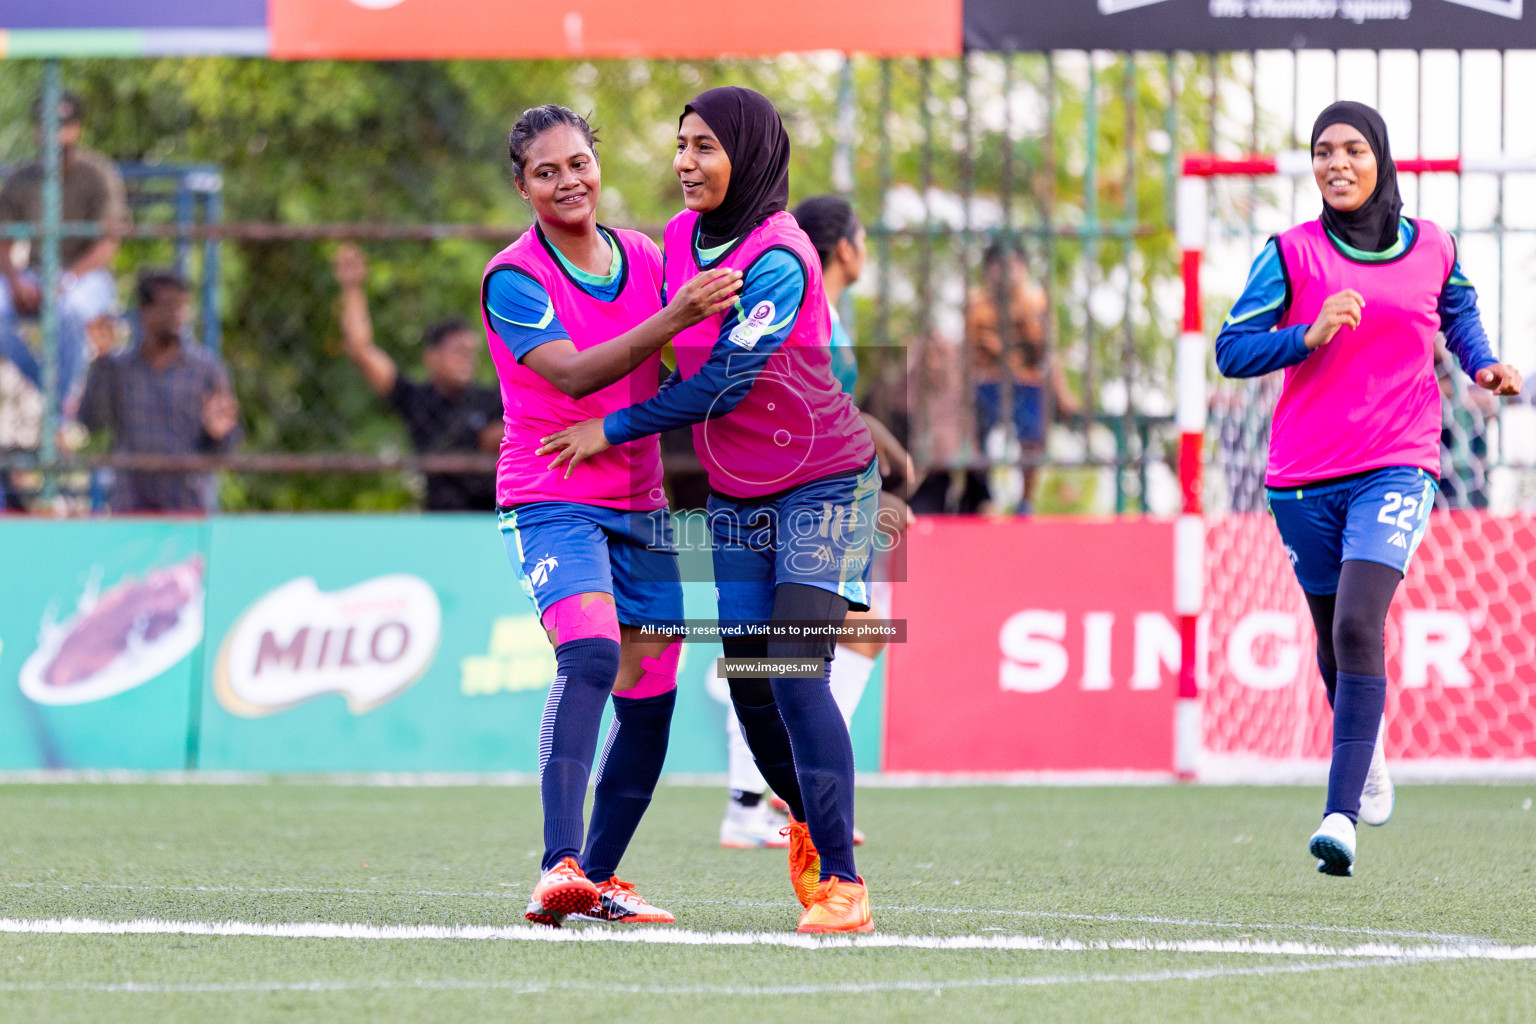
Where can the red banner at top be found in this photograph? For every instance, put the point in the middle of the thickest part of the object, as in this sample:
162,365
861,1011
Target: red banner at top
505,29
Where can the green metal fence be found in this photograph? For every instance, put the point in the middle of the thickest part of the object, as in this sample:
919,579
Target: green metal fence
1070,156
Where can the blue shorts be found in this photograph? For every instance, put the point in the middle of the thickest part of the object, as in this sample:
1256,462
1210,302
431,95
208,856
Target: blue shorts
561,548
1378,516
819,534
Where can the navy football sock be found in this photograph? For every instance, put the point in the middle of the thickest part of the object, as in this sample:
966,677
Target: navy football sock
573,714
626,778
764,731
823,757
1357,707
1330,677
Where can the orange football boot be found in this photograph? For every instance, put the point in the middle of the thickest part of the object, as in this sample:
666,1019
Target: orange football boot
804,861
838,906
562,890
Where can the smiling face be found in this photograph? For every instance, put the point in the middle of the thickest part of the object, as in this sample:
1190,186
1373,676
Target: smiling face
561,178
701,165
1344,166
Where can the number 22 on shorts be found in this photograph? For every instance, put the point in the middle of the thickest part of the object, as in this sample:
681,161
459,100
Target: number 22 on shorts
1408,504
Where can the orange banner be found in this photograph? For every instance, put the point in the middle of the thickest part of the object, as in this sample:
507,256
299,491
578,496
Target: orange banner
510,29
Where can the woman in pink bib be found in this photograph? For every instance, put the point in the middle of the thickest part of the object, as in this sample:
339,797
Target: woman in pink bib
794,487
1349,306
574,320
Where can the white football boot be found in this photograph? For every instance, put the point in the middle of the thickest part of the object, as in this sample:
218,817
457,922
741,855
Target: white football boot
1377,799
752,828
620,903
1333,844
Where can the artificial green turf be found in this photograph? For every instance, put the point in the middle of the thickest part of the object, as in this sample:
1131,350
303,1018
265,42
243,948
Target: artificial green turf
1075,863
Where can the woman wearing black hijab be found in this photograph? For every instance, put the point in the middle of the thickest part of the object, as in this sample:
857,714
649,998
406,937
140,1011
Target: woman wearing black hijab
1349,305
794,485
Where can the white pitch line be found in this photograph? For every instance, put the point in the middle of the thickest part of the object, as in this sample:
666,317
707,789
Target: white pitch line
619,988
518,892
684,937
511,892
1185,922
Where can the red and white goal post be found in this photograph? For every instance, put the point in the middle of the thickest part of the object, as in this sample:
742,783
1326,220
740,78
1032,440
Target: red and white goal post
1461,638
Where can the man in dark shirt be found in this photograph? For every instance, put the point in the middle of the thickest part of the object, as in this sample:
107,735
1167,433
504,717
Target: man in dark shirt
91,190
448,414
167,396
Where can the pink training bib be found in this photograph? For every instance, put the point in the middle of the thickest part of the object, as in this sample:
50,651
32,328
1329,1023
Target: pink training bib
626,476
795,424
1367,399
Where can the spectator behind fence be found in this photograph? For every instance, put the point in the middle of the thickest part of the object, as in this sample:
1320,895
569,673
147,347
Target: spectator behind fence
448,414
166,396
1006,280
93,192
938,427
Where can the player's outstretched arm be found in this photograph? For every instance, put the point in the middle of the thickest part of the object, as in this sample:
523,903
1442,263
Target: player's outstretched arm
581,373
1466,339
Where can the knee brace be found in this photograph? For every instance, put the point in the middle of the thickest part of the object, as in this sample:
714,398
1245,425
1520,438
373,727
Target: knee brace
569,620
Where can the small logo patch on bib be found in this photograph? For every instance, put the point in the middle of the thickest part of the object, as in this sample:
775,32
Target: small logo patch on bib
748,331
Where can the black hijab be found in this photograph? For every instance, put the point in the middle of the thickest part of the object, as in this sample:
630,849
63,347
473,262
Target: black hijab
1373,226
753,137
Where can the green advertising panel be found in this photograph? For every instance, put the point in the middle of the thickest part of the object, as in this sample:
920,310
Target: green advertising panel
100,628
291,644
391,643
369,643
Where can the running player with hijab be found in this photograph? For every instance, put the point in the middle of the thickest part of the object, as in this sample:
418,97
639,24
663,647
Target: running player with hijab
794,484
1349,306
833,227
574,319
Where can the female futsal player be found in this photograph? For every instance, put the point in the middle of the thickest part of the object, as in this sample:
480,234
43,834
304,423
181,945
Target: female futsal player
574,321
792,473
832,226
1349,306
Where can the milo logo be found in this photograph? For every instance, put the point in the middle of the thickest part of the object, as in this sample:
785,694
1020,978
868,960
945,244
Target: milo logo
367,643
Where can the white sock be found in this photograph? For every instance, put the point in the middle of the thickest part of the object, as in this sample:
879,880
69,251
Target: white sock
850,674
741,771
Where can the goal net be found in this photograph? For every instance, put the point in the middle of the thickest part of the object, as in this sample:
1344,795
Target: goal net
1461,636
